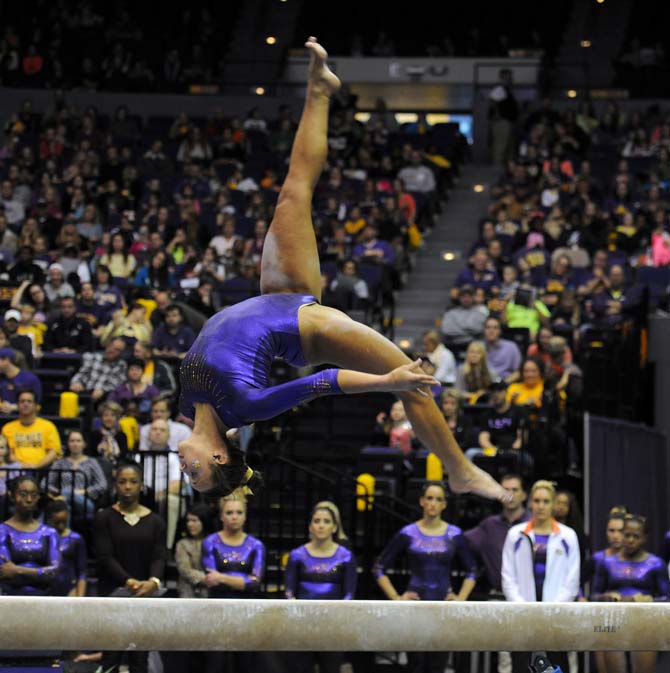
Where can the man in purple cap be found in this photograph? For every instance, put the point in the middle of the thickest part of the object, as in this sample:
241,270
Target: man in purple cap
13,380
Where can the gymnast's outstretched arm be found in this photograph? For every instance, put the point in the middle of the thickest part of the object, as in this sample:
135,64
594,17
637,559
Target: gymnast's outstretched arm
258,404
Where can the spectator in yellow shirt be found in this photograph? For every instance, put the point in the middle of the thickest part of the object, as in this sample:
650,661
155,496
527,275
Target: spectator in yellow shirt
529,390
33,442
33,329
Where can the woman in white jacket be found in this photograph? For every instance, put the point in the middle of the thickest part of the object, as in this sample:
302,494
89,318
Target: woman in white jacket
540,562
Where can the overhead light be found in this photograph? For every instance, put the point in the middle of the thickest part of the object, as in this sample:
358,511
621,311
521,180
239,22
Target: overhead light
600,2
585,44
448,257
571,93
478,188
405,344
270,39
259,91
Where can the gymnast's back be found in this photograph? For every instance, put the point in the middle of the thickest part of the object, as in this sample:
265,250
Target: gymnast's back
235,350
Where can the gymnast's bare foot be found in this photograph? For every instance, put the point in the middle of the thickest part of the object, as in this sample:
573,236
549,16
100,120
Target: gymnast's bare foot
321,78
472,479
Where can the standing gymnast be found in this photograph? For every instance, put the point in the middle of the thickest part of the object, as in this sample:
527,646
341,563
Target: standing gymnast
225,375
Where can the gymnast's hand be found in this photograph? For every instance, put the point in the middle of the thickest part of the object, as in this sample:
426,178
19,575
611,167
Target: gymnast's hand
411,377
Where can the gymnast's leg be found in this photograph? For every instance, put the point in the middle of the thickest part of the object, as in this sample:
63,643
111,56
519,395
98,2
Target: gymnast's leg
290,261
329,336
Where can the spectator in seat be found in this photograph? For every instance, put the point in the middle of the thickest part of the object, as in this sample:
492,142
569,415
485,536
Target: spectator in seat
101,372
373,249
465,322
441,357
397,427
562,375
68,332
540,349
173,338
32,328
56,286
106,294
479,275
529,390
525,310
24,268
348,291
134,388
502,427
19,342
616,303
81,480
474,376
109,443
33,441
155,371
160,409
459,424
162,474
88,307
130,328
13,380
503,355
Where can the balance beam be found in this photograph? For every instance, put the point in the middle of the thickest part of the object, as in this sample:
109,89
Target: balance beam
32,623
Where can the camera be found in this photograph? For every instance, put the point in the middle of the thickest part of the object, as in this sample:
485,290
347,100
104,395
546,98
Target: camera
525,296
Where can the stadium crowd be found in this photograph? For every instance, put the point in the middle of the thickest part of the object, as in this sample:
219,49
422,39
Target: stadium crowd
119,238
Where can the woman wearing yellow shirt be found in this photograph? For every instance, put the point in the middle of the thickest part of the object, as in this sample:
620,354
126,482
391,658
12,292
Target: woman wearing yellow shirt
529,390
131,328
119,261
355,222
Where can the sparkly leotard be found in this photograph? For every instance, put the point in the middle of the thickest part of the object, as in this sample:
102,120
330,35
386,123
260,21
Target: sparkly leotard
31,549
648,577
315,577
430,559
246,560
229,364
72,565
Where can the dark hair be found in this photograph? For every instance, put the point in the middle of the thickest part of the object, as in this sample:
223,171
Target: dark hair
23,391
513,475
175,307
428,484
14,484
574,518
232,474
202,512
105,268
55,506
636,518
129,466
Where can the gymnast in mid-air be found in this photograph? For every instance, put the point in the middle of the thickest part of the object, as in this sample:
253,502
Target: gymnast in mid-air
225,375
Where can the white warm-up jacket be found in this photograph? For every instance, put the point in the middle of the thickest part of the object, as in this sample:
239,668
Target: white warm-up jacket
561,581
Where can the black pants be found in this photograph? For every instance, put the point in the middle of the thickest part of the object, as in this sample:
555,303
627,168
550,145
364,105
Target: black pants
426,662
303,662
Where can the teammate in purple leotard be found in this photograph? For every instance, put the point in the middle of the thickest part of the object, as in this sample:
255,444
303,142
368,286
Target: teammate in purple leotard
225,375
632,575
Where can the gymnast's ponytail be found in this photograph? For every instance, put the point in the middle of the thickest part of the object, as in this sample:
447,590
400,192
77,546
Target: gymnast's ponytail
234,474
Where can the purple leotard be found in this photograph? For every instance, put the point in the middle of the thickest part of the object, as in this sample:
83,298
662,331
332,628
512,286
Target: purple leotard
246,560
72,566
430,559
34,549
648,577
228,366
316,578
